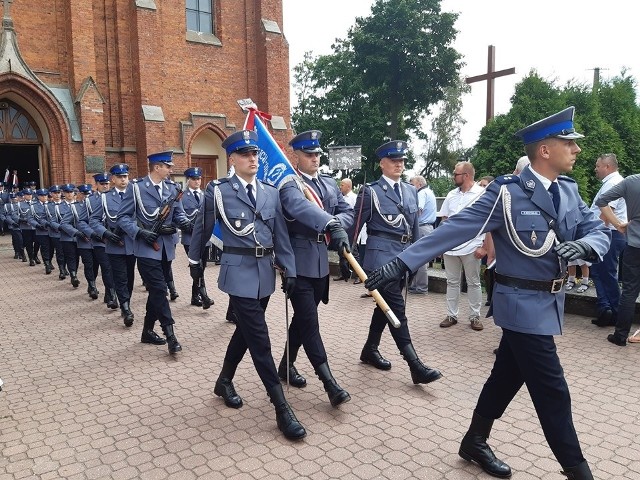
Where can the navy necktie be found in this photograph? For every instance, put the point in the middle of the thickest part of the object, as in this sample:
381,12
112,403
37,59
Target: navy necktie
252,199
555,195
396,188
121,195
197,195
316,182
158,190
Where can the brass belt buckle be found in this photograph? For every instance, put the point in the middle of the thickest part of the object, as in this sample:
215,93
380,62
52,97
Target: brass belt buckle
259,252
556,285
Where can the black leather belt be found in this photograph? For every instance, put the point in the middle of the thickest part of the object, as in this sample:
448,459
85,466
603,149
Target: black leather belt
257,252
552,286
389,236
320,238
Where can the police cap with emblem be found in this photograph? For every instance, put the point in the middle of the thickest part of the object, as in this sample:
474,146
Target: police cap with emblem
13,195
42,191
68,187
308,142
85,188
558,125
193,172
101,177
55,188
162,157
20,193
242,141
395,150
119,169
27,191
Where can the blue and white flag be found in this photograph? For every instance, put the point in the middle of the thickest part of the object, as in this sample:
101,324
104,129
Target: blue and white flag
273,166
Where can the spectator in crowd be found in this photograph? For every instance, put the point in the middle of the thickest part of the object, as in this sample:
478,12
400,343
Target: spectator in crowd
426,219
486,180
467,255
605,273
346,188
571,280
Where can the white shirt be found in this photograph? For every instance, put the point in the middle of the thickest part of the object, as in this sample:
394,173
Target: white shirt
350,198
455,201
618,206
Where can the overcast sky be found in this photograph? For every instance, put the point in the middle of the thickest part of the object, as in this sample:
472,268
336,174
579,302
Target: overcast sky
560,40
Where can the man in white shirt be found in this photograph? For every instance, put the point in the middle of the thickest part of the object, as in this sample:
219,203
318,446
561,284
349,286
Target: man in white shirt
346,187
468,255
605,273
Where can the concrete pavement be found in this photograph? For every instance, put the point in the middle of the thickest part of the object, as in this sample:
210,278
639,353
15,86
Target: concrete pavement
84,399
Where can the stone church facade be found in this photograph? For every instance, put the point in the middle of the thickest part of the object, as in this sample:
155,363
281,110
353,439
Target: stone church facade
85,84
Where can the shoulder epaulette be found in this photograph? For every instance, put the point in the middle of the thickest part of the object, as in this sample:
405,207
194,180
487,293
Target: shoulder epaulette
371,184
135,180
220,180
169,181
566,179
505,179
267,184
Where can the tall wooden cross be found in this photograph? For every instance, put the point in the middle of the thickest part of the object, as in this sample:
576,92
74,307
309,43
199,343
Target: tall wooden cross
490,77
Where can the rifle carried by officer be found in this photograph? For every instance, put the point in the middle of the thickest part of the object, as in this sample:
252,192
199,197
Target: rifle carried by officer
163,214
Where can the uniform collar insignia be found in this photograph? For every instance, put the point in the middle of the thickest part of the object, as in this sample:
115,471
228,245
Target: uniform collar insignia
235,186
384,187
530,184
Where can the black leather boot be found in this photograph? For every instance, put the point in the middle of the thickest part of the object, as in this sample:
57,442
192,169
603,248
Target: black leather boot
23,255
295,379
128,317
579,472
420,373
172,341
204,296
336,394
474,448
36,259
74,279
230,316
195,296
48,268
285,418
148,335
112,301
224,386
371,355
173,294
93,290
16,255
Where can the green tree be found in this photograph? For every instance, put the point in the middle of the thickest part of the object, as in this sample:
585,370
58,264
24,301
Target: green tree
403,51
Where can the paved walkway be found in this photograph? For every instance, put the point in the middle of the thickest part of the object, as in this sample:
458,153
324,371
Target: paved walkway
83,399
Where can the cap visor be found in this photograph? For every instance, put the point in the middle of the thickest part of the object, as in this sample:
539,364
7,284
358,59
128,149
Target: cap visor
249,148
570,136
312,150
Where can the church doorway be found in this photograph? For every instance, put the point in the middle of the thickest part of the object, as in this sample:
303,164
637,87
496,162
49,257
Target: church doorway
20,145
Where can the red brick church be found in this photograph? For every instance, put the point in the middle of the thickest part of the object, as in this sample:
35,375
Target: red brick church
85,84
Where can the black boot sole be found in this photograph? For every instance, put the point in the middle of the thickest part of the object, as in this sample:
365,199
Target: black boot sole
217,391
431,378
342,397
375,364
469,458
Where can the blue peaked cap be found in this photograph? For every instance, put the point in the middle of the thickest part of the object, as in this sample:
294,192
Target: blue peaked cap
244,140
396,149
308,142
119,169
85,188
55,188
68,187
558,125
101,177
42,191
193,172
162,157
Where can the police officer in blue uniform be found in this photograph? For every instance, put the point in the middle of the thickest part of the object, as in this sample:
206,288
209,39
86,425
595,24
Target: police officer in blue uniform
537,221
389,207
53,222
118,245
100,258
27,230
68,234
140,210
10,216
38,221
192,200
253,229
308,222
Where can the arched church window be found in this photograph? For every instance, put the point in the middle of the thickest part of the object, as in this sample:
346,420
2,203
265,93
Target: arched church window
16,125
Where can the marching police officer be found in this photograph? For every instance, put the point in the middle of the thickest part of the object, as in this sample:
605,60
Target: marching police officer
390,209
149,210
10,216
53,222
192,199
253,228
307,223
527,216
38,220
100,258
27,230
118,245
68,235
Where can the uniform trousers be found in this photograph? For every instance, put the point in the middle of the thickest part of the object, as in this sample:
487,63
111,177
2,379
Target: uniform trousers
70,250
152,273
252,333
86,254
532,360
305,328
27,241
45,246
167,272
605,275
36,243
630,290
101,261
123,271
57,248
392,294
16,240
